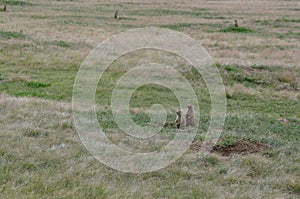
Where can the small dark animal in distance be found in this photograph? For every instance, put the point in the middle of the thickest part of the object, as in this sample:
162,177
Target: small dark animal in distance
116,14
236,23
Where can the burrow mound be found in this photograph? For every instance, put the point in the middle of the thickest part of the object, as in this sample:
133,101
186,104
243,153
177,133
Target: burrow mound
231,147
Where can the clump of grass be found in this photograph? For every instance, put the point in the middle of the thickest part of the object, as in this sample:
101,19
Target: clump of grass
11,35
15,3
249,81
26,166
211,160
106,120
229,95
287,77
255,167
165,12
88,191
31,94
231,68
293,186
33,132
4,174
38,94
178,26
141,118
288,20
62,44
260,67
126,18
227,142
237,30
37,85
262,22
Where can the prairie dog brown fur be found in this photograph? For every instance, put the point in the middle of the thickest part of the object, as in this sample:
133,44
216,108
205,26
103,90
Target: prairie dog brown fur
116,14
180,121
236,23
190,117
4,9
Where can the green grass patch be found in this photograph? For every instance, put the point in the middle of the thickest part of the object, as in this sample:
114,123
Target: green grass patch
61,44
37,85
1,77
166,12
293,186
26,166
15,3
178,27
12,35
263,22
227,142
88,191
237,30
250,81
259,75
281,107
214,17
288,20
259,127
211,160
125,26
147,95
127,18
106,120
260,67
39,17
231,68
39,94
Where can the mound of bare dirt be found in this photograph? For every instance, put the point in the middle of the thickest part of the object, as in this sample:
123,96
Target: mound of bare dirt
239,146
242,147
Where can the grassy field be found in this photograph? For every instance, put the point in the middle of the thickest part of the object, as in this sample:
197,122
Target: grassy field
42,45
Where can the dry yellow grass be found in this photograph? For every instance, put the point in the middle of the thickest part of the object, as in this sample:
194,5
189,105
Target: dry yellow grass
91,22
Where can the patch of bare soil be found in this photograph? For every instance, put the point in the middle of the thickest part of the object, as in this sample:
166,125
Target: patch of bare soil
240,146
196,145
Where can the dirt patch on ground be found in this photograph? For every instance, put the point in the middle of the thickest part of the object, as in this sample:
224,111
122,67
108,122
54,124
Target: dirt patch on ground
196,145
238,146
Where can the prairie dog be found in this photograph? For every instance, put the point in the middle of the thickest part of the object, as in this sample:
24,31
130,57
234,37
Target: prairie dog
236,23
116,14
180,121
4,9
190,117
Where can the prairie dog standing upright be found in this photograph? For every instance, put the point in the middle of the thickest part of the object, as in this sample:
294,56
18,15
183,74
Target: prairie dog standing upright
236,23
190,117
116,14
180,121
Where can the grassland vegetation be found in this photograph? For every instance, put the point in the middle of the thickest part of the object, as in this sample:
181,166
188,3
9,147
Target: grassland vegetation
42,45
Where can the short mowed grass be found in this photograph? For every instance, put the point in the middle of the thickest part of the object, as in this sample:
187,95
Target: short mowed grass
41,154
